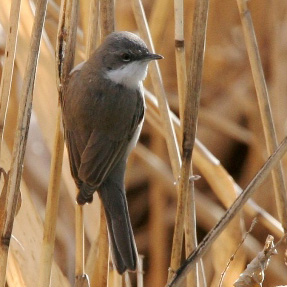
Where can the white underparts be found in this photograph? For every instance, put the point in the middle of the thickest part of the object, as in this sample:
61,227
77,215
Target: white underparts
129,75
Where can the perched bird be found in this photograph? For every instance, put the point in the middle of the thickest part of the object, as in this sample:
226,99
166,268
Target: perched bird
103,111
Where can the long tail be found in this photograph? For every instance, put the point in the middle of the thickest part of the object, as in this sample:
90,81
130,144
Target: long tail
124,251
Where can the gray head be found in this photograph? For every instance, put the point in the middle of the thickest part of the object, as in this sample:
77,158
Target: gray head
124,58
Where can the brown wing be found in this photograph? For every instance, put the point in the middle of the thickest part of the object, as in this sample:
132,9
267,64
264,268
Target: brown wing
74,151
102,153
95,146
99,157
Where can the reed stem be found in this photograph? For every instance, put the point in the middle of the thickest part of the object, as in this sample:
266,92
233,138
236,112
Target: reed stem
107,17
180,55
191,106
265,109
52,207
79,241
93,29
64,62
19,148
204,245
164,109
100,276
10,50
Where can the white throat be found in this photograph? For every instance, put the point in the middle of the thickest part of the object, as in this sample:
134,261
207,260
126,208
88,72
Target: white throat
129,75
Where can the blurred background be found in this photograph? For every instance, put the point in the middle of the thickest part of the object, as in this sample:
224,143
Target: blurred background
229,127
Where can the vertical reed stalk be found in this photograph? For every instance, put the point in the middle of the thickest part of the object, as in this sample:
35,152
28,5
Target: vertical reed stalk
204,245
65,51
170,136
52,205
157,225
160,15
93,29
180,54
190,220
140,272
190,231
264,106
19,148
91,262
163,107
100,257
127,280
115,279
80,260
191,105
158,19
81,279
181,82
7,72
107,17
100,277
93,39
210,167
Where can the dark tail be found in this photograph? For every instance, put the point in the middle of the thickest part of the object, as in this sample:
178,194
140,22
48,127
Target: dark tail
124,251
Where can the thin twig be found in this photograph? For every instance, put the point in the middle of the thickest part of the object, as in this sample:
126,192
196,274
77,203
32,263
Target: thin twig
264,106
19,147
229,215
254,273
10,49
254,221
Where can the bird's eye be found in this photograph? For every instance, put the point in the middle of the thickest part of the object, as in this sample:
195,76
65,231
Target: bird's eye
126,57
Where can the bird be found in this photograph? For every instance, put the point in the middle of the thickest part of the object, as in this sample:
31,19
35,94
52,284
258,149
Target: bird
103,112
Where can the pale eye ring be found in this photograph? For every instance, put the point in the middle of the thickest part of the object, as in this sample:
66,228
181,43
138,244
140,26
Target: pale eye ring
126,57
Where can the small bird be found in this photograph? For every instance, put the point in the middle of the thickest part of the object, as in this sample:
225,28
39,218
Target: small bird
103,111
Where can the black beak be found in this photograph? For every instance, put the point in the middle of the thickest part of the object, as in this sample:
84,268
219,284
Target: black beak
151,57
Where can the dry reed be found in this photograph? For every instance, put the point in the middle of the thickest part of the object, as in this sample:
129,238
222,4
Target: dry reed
264,106
230,213
24,115
64,63
189,125
10,49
